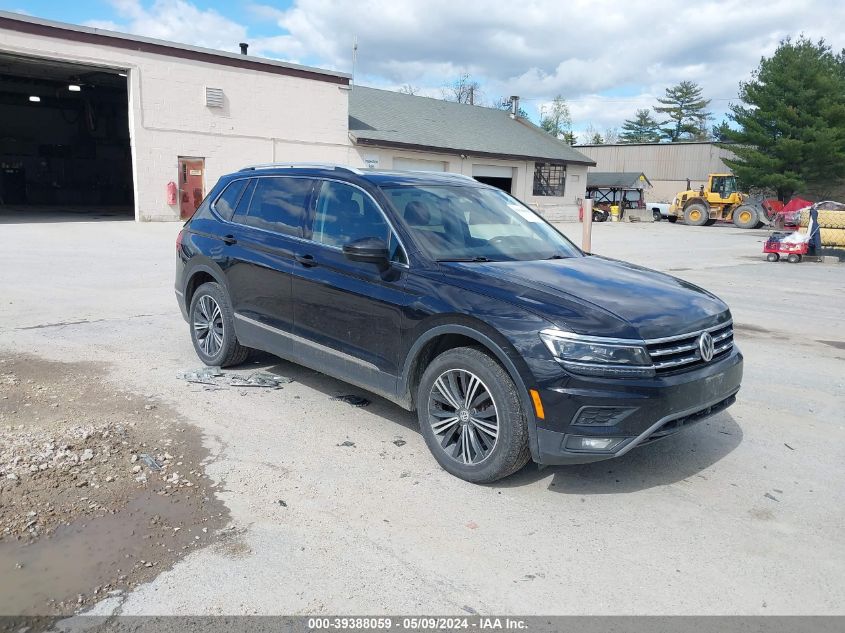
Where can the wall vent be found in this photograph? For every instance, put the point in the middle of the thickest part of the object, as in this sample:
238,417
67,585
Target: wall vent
214,97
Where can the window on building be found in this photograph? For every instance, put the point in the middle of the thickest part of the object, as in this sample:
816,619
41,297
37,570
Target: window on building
549,179
279,204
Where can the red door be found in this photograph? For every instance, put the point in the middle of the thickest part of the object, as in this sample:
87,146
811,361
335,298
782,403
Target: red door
191,189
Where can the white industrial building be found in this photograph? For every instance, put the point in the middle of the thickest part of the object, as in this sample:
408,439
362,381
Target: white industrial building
101,122
666,165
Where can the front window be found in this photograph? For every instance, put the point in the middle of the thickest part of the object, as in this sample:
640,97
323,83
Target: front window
549,179
345,214
467,223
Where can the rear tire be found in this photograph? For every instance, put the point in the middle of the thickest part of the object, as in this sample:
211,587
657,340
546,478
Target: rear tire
793,259
655,213
212,324
746,217
471,416
772,257
696,214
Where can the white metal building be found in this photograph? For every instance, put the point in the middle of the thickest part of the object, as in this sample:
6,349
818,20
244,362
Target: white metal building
101,122
667,165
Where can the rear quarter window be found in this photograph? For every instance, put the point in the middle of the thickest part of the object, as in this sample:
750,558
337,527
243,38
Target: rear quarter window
227,202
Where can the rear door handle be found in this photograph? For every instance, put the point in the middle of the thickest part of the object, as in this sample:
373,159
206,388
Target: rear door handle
306,260
229,240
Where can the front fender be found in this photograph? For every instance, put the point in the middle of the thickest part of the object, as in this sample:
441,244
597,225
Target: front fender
496,344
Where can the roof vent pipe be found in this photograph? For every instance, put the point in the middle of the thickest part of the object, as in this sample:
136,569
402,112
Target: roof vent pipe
514,106
244,46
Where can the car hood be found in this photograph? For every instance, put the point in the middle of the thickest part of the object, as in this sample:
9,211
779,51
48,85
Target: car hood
595,295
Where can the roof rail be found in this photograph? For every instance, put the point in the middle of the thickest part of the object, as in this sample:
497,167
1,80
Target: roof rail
352,170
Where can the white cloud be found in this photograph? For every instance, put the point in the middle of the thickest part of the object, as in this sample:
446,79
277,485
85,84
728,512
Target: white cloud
535,48
175,20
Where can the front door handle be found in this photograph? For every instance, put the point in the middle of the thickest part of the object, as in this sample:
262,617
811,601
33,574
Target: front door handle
229,240
306,260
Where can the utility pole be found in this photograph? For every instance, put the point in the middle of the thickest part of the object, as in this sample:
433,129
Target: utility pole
472,95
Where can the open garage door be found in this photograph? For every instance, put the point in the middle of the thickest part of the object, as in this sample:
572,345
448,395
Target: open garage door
64,141
495,175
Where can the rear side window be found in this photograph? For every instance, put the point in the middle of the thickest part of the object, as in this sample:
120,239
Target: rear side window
228,200
279,204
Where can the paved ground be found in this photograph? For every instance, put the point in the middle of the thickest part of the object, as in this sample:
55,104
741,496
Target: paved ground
742,514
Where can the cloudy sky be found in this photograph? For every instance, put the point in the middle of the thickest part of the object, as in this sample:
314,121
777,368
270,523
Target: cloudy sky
606,58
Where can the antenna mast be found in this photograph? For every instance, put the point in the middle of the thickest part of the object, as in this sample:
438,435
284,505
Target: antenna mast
354,59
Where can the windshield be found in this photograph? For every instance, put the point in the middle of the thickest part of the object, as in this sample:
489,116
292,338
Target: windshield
457,223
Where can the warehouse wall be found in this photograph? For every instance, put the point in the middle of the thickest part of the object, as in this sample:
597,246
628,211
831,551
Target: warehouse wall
666,165
264,116
557,209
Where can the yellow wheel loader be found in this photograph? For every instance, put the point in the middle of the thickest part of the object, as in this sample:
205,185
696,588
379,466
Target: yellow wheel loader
718,200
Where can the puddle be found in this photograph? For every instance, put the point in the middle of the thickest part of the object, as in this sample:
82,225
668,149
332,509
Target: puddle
100,489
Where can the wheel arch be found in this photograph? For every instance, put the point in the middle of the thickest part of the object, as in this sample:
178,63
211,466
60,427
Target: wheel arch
697,200
198,275
440,338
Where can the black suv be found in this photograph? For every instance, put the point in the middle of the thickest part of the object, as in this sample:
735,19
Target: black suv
453,299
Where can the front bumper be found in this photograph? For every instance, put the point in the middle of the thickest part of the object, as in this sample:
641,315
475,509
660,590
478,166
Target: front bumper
641,411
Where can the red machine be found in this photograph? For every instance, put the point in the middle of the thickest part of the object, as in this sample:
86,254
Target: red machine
775,247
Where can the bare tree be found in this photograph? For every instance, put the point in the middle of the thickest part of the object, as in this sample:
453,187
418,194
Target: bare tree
408,89
611,135
463,90
556,120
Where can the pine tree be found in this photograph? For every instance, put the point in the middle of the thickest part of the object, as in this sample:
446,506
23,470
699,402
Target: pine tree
643,128
791,122
686,111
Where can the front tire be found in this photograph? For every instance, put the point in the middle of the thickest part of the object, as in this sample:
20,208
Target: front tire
696,214
471,416
746,217
213,328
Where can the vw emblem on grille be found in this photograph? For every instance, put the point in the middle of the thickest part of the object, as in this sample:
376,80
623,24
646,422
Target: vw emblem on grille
706,347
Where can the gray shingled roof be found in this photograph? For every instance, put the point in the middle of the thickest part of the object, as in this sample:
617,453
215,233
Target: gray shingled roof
394,119
616,179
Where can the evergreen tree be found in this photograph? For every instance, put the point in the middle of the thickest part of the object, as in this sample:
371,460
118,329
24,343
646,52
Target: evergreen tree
686,111
791,122
643,128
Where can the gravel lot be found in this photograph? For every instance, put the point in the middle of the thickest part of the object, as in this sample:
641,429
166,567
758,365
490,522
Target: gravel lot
742,514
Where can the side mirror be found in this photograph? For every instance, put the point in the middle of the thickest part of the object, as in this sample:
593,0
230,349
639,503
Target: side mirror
370,250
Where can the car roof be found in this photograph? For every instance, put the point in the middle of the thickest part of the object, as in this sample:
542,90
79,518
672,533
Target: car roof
375,176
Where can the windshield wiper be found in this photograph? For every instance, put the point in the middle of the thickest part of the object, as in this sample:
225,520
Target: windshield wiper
477,258
556,256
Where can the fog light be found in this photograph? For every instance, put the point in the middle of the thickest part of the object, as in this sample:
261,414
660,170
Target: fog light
582,443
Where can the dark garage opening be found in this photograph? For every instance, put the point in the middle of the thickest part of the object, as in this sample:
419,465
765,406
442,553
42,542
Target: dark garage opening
504,184
64,141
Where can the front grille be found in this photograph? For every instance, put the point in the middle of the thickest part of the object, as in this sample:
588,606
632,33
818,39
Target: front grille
681,353
673,426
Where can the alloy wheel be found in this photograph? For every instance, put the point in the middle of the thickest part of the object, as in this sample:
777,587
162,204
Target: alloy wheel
463,416
208,325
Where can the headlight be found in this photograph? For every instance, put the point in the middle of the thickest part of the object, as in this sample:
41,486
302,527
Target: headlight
595,356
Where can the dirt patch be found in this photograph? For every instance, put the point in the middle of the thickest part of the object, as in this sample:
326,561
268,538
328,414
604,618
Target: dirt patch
747,328
100,489
836,344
